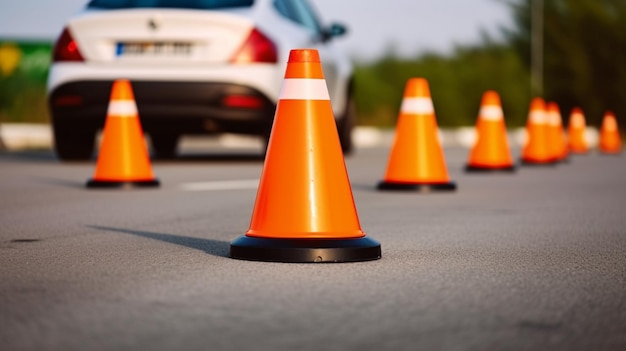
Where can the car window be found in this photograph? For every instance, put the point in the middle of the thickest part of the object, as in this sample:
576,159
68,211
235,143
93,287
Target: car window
184,4
300,12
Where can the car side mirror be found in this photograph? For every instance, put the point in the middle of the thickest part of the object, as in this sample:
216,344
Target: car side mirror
334,30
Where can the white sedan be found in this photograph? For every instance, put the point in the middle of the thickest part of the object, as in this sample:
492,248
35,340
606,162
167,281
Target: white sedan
196,67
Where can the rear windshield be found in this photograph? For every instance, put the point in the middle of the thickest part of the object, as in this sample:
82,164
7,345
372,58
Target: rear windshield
181,4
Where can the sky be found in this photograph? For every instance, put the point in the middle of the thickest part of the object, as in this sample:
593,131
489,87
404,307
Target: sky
411,27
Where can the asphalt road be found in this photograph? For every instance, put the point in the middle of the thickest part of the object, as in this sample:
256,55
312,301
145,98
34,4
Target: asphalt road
534,260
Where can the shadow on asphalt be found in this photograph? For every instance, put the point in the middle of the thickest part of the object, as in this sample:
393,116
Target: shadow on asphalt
30,155
60,182
213,157
365,187
212,247
49,156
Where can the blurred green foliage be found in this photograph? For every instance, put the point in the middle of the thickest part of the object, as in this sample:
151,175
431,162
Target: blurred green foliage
456,82
584,55
23,72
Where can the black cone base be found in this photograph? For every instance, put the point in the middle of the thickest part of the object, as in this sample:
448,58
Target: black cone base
485,169
305,250
420,187
125,184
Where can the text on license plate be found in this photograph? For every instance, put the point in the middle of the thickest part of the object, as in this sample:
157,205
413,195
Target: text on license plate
156,48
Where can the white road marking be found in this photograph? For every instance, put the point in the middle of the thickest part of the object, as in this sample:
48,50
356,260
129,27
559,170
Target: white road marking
221,185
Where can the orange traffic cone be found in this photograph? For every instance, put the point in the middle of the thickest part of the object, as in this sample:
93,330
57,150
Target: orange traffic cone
416,161
304,210
491,151
556,134
123,160
610,140
576,132
536,150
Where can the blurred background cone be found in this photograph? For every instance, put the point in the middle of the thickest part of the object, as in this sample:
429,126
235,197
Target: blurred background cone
556,133
304,209
610,140
416,161
536,150
576,128
491,151
123,159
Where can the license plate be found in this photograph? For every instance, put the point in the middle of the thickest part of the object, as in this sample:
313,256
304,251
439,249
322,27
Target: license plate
157,48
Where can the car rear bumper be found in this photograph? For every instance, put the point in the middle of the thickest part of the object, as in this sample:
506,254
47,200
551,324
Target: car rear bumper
168,106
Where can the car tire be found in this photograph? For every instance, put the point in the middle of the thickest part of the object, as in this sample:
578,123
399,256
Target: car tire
346,125
74,144
265,142
165,145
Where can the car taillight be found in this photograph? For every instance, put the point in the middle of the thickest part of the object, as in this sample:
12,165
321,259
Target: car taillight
67,100
66,48
257,48
242,101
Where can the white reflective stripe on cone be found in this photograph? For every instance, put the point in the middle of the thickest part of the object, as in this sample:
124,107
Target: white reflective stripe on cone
417,105
537,117
304,89
610,124
123,108
554,119
491,113
577,120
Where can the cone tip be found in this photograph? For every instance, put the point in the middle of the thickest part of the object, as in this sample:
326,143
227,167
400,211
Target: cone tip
609,122
417,87
552,106
609,114
304,55
537,103
122,90
491,97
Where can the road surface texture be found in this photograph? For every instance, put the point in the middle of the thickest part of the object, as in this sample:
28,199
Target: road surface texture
534,260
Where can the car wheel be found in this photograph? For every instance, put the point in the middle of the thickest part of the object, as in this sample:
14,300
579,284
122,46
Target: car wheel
74,145
265,142
346,125
164,145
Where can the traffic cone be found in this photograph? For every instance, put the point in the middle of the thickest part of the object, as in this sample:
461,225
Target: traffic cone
610,140
123,160
556,134
577,141
536,150
416,161
491,151
304,210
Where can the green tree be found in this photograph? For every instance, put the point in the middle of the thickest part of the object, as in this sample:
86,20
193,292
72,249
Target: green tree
23,72
584,50
457,83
